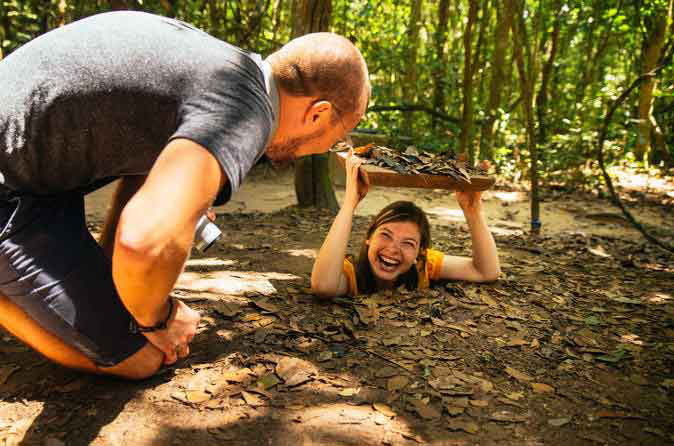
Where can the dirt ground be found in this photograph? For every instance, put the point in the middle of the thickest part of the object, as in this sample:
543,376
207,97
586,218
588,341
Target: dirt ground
573,345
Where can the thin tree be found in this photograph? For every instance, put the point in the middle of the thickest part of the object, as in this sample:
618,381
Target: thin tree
527,75
440,66
653,46
503,23
409,80
468,71
313,186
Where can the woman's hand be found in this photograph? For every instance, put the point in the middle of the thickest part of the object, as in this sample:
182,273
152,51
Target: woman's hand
471,201
357,183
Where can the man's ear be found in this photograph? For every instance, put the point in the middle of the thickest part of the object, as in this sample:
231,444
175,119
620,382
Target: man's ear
318,113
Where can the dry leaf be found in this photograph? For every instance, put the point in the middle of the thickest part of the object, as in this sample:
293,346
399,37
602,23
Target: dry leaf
542,388
265,305
197,396
517,342
507,417
397,383
386,372
425,411
252,400
384,409
520,376
294,371
227,309
466,426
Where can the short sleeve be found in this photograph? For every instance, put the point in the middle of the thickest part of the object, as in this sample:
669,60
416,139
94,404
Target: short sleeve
350,275
434,261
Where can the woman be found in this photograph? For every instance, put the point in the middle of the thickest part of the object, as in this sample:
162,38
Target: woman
396,249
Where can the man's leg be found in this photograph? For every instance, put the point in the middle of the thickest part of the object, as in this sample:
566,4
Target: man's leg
57,292
140,365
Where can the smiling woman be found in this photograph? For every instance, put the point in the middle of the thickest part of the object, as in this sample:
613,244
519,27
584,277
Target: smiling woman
396,250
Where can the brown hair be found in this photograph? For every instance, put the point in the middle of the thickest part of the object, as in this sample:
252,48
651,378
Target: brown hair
399,211
325,66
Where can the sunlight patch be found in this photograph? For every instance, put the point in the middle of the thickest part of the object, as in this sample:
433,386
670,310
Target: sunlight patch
657,298
509,197
631,338
210,261
309,253
231,282
447,213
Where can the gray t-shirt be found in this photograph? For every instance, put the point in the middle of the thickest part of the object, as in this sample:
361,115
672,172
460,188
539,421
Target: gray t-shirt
101,97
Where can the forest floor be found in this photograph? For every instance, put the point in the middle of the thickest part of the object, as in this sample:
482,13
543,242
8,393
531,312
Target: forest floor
574,345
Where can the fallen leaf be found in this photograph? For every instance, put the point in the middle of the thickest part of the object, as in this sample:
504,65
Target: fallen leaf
558,422
386,372
268,381
515,396
252,400
425,411
466,426
237,376
265,305
324,356
542,388
488,300
294,371
349,391
397,383
599,251
507,417
455,410
226,309
479,403
384,409
520,376
197,396
517,342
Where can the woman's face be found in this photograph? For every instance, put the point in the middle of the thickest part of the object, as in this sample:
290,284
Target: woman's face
393,249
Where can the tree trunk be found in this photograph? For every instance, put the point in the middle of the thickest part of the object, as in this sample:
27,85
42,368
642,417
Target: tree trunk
503,21
313,186
440,72
542,96
527,77
467,115
409,80
653,49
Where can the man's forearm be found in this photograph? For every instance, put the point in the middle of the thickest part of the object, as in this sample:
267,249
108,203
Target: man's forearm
144,280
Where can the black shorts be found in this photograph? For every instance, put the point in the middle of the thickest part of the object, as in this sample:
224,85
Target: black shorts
52,268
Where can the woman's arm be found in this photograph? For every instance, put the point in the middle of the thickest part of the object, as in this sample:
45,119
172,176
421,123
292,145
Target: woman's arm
327,276
483,266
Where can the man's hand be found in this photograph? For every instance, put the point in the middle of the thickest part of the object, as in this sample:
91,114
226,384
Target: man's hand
180,331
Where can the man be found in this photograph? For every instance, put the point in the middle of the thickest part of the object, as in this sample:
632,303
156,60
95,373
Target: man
180,117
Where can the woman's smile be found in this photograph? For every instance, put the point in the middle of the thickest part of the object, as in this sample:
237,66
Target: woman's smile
393,249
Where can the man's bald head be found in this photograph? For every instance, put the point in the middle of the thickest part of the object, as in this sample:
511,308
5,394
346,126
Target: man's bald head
324,66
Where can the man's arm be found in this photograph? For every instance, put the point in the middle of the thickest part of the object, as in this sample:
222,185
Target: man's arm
155,234
126,187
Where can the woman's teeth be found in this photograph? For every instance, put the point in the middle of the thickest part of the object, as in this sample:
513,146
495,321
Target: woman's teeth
387,263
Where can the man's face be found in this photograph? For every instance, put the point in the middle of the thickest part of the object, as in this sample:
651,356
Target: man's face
308,143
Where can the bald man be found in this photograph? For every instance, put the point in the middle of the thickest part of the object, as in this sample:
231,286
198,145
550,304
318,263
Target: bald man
180,117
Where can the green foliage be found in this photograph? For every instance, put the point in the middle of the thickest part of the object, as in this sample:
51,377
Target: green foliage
599,52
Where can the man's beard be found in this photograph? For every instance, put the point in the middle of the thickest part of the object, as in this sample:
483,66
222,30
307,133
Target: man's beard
283,153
